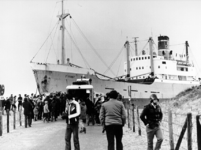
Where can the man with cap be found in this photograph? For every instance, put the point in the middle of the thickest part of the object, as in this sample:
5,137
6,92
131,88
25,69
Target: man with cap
113,117
152,116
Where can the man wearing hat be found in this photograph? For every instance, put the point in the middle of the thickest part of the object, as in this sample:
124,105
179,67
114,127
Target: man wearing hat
151,117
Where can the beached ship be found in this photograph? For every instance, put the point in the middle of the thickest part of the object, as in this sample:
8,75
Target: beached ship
158,72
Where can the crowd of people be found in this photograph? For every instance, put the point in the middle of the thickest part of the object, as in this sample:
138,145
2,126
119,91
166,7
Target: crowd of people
49,107
107,110
36,107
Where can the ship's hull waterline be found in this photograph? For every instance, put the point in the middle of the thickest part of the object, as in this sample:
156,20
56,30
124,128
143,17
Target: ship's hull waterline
53,78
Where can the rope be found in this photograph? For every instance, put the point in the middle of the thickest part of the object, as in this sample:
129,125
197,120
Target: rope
51,44
54,50
114,60
78,49
198,70
177,44
44,41
119,66
92,47
144,46
131,51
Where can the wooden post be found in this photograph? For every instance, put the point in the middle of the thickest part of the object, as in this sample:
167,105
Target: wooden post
181,135
128,115
7,111
20,115
138,120
1,120
170,130
198,131
14,118
189,131
133,111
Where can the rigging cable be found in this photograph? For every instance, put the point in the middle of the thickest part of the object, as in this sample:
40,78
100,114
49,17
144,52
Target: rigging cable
71,33
45,41
131,54
198,70
144,47
119,66
54,49
92,46
114,60
78,49
51,44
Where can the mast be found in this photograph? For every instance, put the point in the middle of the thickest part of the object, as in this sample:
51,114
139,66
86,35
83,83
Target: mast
127,45
187,55
62,35
135,45
151,55
62,28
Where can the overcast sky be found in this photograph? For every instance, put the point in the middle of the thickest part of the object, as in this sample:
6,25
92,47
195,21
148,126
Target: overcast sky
25,24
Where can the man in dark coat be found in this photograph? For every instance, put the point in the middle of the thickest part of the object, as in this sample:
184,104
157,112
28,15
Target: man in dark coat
90,111
152,116
7,106
27,112
19,101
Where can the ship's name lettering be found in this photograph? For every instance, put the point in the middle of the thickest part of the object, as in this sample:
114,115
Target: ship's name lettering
67,76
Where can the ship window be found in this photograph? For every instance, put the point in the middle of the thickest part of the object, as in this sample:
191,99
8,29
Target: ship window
136,58
158,66
186,69
136,68
142,67
182,69
142,58
125,70
139,67
163,62
130,68
139,58
148,57
145,58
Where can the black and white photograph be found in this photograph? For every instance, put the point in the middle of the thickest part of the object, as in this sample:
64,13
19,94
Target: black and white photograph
100,75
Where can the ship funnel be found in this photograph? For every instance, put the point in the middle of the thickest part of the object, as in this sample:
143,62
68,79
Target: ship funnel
163,42
163,47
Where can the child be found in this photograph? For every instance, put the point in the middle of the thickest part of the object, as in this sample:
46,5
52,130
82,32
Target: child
83,117
45,111
36,113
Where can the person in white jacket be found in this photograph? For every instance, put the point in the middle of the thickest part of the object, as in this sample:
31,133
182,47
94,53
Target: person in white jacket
73,111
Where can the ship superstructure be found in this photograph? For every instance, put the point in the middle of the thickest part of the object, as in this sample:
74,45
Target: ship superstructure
161,64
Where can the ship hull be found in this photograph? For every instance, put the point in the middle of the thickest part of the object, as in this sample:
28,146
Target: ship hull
53,78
